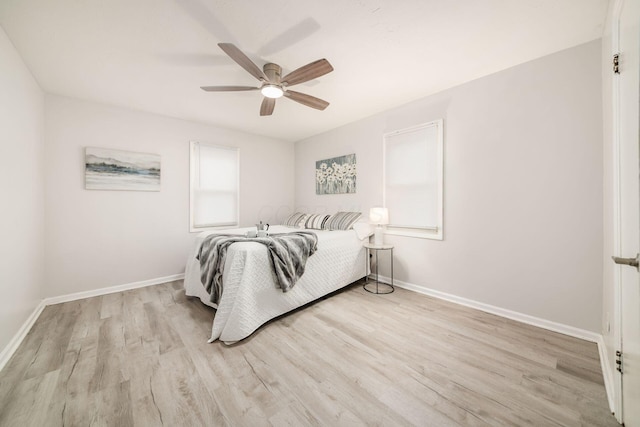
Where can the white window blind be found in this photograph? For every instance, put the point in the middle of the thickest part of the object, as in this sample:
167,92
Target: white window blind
214,186
413,179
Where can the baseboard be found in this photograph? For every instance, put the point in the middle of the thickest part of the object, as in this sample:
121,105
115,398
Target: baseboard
509,314
17,339
111,289
15,342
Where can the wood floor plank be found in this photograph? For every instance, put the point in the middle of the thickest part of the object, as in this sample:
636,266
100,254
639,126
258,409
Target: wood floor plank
112,305
34,410
141,357
161,328
490,388
53,344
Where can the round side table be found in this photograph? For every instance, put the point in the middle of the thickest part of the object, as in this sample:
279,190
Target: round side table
380,288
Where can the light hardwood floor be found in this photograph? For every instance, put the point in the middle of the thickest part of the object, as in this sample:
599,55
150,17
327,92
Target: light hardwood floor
141,358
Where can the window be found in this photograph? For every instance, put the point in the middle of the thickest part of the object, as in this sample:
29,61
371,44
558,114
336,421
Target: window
413,180
213,186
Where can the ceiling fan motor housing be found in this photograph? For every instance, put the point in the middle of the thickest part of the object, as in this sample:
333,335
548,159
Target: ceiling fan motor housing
273,72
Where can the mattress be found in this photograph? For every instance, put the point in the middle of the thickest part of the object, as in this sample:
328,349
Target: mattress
250,295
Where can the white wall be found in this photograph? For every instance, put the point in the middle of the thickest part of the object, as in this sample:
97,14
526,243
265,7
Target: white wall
523,187
22,190
97,239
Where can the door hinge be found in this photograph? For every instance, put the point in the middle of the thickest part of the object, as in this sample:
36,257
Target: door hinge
616,63
619,361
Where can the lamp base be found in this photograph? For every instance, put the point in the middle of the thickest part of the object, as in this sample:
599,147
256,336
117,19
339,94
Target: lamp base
378,236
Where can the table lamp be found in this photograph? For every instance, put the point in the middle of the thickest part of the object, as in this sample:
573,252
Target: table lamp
380,217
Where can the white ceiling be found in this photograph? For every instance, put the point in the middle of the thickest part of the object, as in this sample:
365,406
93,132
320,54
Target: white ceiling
153,55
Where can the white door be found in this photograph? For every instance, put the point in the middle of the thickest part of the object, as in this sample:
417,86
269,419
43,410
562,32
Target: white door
628,129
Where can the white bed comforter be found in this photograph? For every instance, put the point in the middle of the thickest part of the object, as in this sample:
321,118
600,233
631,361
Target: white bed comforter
250,295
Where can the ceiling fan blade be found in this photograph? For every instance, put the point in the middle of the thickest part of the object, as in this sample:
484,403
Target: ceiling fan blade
227,88
308,72
243,60
266,109
308,100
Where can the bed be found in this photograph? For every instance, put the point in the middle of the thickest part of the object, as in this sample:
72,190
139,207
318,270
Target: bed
250,295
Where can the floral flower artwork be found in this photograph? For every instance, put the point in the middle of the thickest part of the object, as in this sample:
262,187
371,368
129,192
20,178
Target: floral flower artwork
336,175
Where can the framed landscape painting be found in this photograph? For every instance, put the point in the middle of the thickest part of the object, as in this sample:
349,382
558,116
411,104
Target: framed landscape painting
336,175
107,169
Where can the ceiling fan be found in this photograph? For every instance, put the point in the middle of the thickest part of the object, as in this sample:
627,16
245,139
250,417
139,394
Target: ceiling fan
273,84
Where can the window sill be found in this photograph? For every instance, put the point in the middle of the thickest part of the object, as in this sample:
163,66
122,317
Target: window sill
416,233
212,228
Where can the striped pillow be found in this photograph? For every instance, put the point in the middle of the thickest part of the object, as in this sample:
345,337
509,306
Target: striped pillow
316,222
342,220
295,220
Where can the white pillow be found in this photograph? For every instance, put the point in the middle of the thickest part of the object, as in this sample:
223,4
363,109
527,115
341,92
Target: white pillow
363,230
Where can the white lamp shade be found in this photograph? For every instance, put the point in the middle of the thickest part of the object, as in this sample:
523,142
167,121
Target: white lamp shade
379,215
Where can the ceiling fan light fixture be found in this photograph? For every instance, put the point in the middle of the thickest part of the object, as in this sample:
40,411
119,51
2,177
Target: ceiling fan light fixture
272,91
